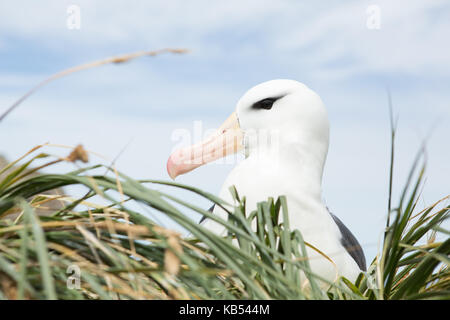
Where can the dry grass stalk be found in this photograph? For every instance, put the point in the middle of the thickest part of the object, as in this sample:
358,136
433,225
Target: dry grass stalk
117,59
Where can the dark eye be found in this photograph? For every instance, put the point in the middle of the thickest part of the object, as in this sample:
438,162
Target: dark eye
264,104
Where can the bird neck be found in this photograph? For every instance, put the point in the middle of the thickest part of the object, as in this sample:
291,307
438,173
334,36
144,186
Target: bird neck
297,165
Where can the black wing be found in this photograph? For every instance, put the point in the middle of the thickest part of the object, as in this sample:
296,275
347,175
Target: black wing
350,243
348,240
204,218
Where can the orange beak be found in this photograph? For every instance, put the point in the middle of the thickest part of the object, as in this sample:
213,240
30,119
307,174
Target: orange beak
225,141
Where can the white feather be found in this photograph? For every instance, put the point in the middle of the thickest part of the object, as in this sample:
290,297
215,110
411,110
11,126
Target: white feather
286,150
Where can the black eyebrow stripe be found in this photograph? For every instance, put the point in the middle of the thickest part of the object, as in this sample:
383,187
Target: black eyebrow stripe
256,105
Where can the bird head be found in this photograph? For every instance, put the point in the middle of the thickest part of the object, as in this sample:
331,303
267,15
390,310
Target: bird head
273,115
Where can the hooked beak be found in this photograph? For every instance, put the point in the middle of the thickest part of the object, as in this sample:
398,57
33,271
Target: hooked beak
225,141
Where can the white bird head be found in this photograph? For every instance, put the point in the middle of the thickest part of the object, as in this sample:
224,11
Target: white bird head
287,112
277,115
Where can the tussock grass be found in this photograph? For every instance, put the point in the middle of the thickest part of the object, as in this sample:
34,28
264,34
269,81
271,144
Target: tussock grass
122,254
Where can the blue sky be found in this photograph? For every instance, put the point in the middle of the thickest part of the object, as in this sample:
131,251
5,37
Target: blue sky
233,46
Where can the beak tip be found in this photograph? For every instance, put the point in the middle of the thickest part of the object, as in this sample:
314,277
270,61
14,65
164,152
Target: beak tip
171,170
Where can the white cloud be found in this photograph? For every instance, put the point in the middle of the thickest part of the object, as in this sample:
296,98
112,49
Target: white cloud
411,38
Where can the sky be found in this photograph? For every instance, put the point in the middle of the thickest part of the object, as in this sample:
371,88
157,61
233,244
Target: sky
350,54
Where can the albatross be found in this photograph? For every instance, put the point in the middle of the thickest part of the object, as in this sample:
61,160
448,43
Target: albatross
283,128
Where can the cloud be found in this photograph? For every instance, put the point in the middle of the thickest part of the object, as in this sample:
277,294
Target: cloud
411,33
410,39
